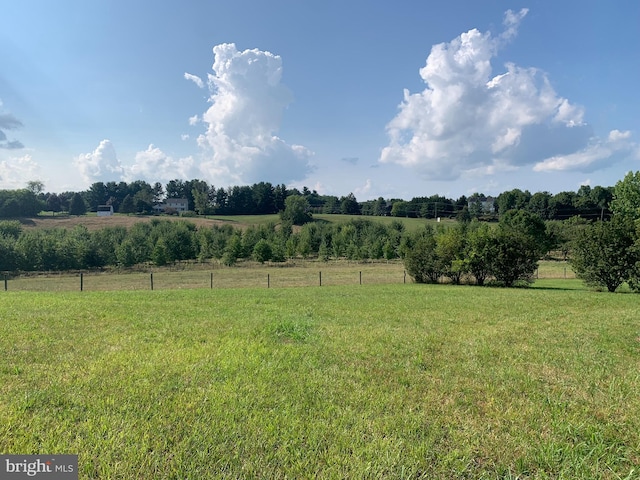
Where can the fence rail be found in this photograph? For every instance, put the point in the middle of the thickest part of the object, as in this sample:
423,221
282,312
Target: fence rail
311,274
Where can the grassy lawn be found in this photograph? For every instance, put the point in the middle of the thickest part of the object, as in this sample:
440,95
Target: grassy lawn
350,381
296,273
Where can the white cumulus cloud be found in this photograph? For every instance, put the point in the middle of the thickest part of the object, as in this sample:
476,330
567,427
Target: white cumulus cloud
15,172
247,100
153,165
363,190
101,165
471,121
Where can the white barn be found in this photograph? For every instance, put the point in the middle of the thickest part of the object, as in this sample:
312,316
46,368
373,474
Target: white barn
105,210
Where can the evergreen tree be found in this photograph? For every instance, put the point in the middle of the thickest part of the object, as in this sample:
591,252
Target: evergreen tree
77,206
127,206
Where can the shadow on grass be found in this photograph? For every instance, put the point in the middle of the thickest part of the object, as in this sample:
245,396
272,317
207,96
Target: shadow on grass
560,284
27,222
221,219
321,221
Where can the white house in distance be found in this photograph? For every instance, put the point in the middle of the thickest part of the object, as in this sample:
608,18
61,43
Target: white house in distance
176,204
104,210
482,203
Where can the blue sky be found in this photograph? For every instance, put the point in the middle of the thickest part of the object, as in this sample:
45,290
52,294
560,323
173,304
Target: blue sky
393,99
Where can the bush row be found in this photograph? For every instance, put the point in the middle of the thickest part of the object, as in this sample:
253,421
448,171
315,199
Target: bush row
164,241
477,253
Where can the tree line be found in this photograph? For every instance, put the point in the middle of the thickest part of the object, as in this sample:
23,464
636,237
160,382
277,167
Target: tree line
472,252
476,252
604,248
604,251
265,198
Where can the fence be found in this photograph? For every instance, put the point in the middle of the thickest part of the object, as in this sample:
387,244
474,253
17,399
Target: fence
257,276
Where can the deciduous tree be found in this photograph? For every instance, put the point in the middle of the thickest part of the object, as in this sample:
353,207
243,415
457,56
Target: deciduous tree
626,196
296,210
604,254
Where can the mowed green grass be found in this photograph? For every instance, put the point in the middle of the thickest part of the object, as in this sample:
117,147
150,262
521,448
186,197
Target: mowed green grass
351,381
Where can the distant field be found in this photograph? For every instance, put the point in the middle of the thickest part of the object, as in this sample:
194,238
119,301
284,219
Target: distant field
412,224
350,381
93,222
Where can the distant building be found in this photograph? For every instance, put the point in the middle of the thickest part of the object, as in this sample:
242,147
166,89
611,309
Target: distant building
485,204
105,210
174,204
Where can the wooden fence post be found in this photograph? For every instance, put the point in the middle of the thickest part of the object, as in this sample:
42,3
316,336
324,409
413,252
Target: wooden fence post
81,282
320,277
404,278
211,280
151,277
6,286
268,281
360,277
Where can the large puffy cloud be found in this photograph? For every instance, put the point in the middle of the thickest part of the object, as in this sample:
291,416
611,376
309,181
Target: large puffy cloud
101,165
247,101
153,165
469,121
9,122
15,172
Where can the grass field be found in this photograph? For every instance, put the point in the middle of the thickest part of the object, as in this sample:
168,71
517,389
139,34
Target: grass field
298,273
411,224
350,381
93,222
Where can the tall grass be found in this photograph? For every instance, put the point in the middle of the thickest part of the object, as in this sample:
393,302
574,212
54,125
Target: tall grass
395,381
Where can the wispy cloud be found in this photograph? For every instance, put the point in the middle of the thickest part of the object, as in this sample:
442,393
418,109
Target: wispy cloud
195,79
350,160
598,154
